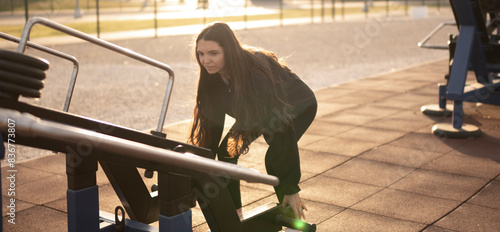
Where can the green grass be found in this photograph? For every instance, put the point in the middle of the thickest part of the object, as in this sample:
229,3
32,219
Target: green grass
47,5
127,25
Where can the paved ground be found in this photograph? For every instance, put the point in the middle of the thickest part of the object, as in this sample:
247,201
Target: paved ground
369,163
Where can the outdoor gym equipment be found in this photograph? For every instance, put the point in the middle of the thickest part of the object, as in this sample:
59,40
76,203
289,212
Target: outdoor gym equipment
185,173
476,49
53,52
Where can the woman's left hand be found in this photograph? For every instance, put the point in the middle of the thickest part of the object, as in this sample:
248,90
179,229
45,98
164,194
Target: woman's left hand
296,204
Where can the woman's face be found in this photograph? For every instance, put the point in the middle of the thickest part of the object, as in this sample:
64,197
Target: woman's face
211,56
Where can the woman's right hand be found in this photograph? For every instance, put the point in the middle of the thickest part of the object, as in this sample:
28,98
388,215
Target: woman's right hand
296,204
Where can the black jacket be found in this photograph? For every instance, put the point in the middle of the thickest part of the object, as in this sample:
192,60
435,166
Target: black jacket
282,157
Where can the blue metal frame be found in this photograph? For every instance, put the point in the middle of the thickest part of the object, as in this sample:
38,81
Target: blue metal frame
182,222
469,53
108,221
83,209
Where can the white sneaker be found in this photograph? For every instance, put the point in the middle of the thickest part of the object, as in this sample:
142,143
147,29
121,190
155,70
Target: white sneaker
291,230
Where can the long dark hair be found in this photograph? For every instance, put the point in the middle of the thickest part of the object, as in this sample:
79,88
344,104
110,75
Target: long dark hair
256,77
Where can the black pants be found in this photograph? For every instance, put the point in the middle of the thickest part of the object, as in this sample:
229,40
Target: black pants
305,107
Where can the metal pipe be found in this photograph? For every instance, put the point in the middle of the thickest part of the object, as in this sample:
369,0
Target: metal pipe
59,54
312,11
98,20
343,9
156,18
108,45
29,125
322,11
333,9
281,12
26,14
433,32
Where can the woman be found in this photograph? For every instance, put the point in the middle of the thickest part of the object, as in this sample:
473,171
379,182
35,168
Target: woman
264,96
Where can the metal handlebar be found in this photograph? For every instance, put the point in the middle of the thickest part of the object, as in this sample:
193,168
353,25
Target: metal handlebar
113,47
51,51
29,125
429,36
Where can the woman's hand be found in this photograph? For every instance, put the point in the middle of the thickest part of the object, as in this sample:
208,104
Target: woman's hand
296,204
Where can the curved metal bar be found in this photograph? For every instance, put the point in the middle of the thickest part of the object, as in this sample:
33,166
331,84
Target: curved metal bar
59,54
429,36
108,45
29,125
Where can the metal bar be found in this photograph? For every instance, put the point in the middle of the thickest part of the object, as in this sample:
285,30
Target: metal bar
461,61
442,96
433,32
312,11
406,7
245,16
95,125
478,62
458,112
59,54
108,219
132,192
387,7
333,9
343,9
98,21
108,45
28,125
26,14
322,11
281,12
156,18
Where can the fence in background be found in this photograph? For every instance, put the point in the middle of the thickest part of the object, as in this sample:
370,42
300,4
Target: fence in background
148,14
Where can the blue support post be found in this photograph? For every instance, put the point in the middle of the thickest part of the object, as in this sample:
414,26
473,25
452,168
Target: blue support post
176,200
478,61
468,53
458,112
180,223
83,209
442,96
461,60
440,109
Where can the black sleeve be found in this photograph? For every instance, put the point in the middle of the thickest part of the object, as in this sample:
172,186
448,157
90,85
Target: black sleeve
282,161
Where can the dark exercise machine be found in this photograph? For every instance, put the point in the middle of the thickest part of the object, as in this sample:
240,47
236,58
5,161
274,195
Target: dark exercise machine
186,174
476,48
